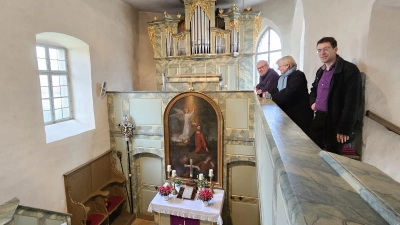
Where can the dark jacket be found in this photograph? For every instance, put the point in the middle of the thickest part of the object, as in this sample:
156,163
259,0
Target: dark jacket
269,81
344,100
294,100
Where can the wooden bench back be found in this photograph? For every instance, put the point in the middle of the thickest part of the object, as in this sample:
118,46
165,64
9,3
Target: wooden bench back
89,177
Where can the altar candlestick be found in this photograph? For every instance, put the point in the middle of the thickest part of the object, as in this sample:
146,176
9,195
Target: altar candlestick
169,168
201,176
191,168
210,172
173,173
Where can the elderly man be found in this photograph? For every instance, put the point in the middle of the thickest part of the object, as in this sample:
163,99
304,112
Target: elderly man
335,97
268,79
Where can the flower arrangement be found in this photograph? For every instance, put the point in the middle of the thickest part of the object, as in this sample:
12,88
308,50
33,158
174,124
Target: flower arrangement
164,190
201,183
205,195
178,182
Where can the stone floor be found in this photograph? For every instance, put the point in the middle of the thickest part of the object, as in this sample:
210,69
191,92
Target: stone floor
142,222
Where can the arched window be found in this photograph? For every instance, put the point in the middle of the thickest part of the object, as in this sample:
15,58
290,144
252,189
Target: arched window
269,48
65,84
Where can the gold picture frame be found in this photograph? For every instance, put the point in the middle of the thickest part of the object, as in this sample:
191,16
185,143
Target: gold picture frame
193,126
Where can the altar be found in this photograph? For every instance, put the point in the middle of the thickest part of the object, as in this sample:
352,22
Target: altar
183,211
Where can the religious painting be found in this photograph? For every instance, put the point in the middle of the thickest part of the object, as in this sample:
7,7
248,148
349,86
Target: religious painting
193,137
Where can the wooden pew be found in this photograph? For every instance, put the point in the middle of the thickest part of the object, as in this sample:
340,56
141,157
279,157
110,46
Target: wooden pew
95,191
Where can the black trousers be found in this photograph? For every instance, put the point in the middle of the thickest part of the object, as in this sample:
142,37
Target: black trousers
317,134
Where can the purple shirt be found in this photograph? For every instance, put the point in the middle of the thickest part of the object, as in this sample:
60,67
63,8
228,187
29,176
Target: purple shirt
323,89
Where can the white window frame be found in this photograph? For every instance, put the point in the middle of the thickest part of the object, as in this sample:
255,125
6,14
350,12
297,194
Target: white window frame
269,51
49,72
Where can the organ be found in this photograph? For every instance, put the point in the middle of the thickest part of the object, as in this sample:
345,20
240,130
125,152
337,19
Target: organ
206,42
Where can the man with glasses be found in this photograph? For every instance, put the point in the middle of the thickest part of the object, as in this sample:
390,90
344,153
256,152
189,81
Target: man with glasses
268,79
335,98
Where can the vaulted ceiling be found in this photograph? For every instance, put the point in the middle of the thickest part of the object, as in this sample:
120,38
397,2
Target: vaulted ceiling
176,6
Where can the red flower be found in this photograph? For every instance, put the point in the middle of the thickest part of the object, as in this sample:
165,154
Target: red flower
164,190
205,195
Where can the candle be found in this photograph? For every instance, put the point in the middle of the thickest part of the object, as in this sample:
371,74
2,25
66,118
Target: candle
210,173
173,173
201,176
169,168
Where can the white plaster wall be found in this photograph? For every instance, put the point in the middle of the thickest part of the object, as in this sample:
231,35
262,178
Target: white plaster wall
147,64
347,21
381,147
280,12
30,169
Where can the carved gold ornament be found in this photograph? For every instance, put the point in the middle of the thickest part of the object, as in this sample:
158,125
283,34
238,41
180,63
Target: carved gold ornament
150,31
178,16
234,23
205,6
257,26
221,11
168,29
220,34
181,37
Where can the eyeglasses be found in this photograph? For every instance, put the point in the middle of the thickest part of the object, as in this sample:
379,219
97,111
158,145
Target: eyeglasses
261,67
324,49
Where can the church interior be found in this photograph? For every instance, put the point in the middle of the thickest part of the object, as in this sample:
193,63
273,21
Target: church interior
122,91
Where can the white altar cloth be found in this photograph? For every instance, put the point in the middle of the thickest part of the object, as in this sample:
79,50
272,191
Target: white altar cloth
189,208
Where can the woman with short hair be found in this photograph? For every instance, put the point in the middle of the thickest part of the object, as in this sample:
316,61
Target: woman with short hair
292,96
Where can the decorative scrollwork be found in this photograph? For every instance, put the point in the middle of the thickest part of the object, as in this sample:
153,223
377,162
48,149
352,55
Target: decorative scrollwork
205,6
168,29
181,37
220,34
257,26
234,8
234,23
150,31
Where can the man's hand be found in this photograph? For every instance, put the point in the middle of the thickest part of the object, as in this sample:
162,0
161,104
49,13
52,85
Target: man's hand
341,138
313,107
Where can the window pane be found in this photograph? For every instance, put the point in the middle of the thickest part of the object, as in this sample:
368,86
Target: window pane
263,45
56,92
65,112
61,54
53,53
40,52
63,80
54,64
62,66
65,102
64,91
46,104
262,57
42,64
275,43
45,92
44,81
58,114
56,80
273,58
46,116
57,103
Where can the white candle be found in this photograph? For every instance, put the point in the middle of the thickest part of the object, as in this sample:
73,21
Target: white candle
173,173
210,173
169,168
201,176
